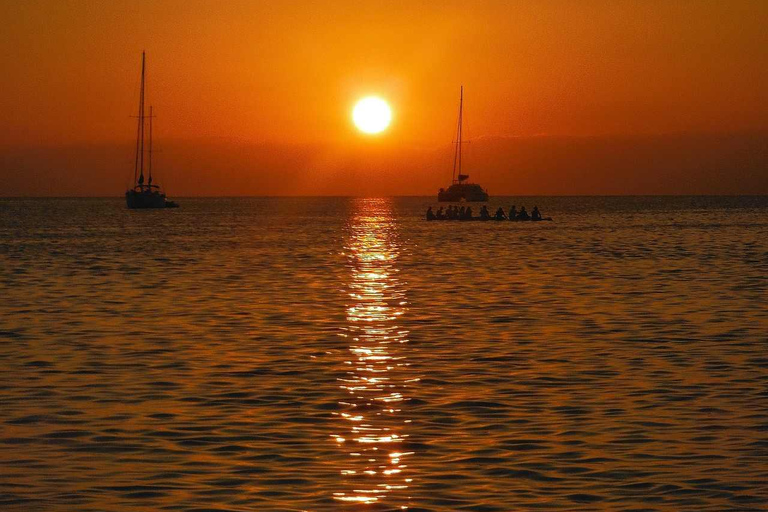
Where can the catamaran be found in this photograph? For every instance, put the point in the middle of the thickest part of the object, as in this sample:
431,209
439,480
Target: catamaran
145,195
459,190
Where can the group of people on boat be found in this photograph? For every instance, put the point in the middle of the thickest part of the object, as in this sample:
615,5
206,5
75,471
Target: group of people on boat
465,213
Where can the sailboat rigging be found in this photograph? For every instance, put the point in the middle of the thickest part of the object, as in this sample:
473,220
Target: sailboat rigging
460,191
143,195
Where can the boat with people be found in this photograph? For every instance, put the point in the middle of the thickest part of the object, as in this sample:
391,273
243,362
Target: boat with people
464,213
145,195
460,190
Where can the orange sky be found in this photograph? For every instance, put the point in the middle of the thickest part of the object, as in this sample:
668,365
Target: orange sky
260,91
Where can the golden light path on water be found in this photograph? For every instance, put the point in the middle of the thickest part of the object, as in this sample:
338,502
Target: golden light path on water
373,426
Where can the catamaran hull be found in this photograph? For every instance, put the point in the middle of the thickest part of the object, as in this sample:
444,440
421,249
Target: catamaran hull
458,192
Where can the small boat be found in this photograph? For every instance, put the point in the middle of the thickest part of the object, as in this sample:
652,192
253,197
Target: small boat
459,190
466,216
145,195
489,219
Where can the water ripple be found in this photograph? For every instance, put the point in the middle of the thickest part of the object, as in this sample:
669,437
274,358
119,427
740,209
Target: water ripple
611,360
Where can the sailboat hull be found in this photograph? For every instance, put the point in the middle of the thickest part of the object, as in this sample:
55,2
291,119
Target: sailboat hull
140,199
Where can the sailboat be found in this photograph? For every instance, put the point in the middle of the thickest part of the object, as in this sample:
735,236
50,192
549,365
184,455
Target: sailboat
145,195
459,190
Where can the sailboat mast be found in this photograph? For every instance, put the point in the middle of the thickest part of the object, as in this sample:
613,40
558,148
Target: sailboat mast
461,114
143,117
457,154
150,145
139,165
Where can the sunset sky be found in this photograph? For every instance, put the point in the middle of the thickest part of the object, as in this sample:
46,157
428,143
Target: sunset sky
255,98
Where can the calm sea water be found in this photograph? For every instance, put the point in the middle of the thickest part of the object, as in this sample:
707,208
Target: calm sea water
343,354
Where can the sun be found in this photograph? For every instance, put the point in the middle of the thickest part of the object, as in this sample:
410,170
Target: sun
372,115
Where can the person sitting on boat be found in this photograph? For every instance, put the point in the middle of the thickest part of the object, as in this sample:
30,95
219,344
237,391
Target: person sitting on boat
535,214
500,214
430,214
512,213
462,212
523,215
484,215
467,213
440,215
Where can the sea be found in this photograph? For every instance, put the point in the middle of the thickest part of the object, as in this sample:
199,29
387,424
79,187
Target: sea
334,354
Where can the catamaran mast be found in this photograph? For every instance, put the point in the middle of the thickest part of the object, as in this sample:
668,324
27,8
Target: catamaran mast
457,154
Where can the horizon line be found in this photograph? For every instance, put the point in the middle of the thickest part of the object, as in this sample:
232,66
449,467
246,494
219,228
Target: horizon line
385,196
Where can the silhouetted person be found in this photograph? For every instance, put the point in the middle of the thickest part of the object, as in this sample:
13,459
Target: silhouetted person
535,214
451,213
500,214
468,213
430,214
440,215
462,213
512,213
523,215
484,215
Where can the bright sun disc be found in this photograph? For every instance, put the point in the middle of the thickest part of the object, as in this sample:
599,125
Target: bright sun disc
372,115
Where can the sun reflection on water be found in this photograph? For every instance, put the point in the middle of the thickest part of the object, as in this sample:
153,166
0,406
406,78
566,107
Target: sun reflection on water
373,427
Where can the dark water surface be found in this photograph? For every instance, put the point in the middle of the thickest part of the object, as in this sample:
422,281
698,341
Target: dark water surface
343,354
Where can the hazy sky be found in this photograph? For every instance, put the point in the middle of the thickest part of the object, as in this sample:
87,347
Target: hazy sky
255,97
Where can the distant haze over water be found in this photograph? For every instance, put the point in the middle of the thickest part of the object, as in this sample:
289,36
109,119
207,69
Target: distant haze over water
321,353
677,164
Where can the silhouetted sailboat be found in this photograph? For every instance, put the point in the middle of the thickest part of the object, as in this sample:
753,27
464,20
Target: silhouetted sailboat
460,191
145,195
